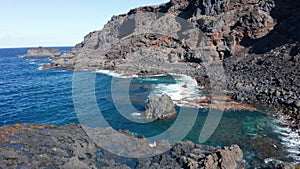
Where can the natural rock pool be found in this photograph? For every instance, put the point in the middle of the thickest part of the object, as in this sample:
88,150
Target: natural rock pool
258,133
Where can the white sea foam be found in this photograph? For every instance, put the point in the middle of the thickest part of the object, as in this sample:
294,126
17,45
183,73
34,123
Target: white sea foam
268,160
136,114
115,74
150,79
152,144
183,93
290,140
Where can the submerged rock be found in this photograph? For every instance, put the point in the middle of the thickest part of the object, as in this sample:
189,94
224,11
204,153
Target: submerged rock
160,107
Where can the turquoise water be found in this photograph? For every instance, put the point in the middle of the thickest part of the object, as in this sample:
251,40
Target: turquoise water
31,95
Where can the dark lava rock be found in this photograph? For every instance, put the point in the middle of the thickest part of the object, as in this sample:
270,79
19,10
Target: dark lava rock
297,103
160,107
258,42
45,146
189,155
228,157
227,26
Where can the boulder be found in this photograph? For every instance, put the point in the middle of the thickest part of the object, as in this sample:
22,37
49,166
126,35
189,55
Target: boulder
160,107
225,158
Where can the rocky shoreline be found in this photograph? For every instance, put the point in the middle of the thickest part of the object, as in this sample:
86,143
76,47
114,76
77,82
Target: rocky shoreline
46,146
256,42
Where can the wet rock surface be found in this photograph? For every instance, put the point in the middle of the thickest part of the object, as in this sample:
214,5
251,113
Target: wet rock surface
45,146
160,107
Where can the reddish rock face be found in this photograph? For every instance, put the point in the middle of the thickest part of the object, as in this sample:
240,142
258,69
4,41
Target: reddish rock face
225,24
258,42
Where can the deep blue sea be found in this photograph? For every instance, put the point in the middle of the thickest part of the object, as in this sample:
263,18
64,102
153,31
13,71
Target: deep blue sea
31,95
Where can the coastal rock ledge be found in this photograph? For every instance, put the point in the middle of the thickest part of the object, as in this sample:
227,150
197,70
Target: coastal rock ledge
46,146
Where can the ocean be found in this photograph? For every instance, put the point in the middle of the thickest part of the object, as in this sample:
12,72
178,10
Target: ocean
31,95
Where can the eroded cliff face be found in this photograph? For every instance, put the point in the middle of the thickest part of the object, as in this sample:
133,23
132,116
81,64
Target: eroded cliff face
257,42
226,28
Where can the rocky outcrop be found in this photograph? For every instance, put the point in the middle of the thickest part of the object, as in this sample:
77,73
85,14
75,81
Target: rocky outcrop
224,158
226,26
258,42
40,51
45,146
160,107
190,155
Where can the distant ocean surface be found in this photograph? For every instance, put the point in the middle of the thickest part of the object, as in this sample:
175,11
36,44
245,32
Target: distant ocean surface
31,95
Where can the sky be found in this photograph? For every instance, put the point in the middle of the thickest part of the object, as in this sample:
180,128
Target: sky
32,23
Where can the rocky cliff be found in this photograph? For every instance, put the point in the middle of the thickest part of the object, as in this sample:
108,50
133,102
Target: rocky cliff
257,43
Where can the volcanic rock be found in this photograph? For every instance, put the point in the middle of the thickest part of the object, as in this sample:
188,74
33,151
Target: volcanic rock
160,107
40,51
69,146
257,42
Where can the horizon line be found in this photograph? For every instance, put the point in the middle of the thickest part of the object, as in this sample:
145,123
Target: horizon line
20,47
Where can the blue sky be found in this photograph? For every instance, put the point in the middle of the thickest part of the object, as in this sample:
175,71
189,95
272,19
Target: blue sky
30,23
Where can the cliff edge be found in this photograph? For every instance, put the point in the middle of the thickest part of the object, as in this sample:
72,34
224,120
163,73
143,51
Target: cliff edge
257,43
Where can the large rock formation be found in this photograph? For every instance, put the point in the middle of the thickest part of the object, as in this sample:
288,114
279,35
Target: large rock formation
40,51
44,146
160,107
258,42
228,27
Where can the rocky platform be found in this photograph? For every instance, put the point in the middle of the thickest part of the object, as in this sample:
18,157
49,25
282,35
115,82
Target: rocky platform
42,52
256,42
46,146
